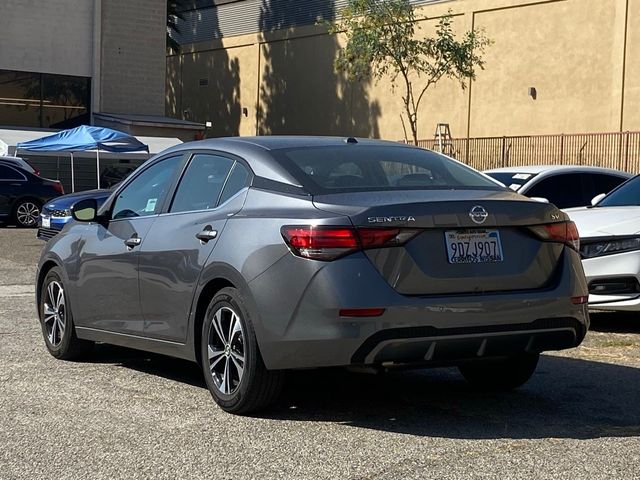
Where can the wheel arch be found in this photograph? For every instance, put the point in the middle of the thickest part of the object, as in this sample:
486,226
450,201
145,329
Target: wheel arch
42,273
212,281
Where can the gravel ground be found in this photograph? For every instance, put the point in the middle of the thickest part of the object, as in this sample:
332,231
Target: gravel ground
125,414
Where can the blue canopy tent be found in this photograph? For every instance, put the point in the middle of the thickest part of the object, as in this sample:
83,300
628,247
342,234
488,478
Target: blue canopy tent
85,138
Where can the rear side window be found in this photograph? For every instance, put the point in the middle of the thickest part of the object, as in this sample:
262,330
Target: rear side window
8,173
236,182
563,190
368,167
603,183
202,183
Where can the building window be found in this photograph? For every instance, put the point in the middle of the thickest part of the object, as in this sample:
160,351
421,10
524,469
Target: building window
43,100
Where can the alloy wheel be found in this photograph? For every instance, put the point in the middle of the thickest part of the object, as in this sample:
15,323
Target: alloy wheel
27,214
226,352
54,313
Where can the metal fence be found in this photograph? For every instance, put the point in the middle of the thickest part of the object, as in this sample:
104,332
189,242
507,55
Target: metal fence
620,150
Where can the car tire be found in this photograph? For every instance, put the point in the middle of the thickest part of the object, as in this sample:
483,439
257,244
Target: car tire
56,320
232,365
503,374
26,213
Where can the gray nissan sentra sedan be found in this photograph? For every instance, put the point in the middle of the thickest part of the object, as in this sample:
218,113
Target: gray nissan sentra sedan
252,256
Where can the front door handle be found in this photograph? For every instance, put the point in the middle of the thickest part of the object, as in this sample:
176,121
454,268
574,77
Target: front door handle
207,234
133,242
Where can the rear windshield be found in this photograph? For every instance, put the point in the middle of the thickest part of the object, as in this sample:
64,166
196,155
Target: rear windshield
368,167
513,180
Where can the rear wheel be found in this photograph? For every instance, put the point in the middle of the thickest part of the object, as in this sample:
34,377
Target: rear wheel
26,213
504,374
233,368
57,322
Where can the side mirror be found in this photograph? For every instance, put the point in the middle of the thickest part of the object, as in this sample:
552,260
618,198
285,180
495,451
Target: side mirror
85,210
540,199
595,200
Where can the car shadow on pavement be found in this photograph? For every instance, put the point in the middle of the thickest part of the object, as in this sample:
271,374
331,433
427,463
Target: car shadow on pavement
566,398
616,322
159,365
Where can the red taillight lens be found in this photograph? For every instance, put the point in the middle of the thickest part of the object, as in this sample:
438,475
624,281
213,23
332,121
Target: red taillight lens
581,300
320,243
385,237
563,232
57,186
329,243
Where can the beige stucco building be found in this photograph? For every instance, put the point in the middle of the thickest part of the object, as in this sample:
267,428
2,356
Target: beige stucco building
70,62
272,72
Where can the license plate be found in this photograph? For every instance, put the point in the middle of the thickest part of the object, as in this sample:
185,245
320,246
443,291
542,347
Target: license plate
474,246
46,222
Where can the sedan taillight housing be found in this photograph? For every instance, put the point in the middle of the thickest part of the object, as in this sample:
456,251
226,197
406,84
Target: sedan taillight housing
327,243
57,186
562,232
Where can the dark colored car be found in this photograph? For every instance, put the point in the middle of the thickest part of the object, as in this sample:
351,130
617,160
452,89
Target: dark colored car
256,255
23,193
57,213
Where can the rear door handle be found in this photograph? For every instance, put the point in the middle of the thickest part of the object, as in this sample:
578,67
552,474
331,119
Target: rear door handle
133,242
207,234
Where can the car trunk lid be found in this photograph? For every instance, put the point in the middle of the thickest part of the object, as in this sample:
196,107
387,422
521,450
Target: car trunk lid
450,222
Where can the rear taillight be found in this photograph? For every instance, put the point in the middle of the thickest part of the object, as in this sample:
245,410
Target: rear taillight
57,186
328,242
563,232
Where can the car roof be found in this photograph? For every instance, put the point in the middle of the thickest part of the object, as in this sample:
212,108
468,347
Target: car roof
549,169
256,150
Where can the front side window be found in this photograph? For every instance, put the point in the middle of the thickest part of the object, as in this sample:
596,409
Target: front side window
202,183
145,194
368,167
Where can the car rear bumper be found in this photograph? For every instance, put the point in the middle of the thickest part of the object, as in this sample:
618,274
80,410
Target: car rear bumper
412,330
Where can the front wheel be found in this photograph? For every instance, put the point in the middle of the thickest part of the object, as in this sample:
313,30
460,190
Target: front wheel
232,365
57,321
26,213
503,374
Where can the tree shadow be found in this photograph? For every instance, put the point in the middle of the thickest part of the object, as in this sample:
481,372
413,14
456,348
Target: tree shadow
204,86
566,398
300,92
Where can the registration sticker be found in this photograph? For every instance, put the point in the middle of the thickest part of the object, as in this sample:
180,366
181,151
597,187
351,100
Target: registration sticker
151,205
473,246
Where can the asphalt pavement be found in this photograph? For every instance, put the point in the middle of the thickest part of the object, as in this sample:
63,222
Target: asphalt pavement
127,414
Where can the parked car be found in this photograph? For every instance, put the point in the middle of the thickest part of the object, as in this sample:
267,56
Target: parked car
256,255
23,193
57,213
19,162
610,247
565,186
